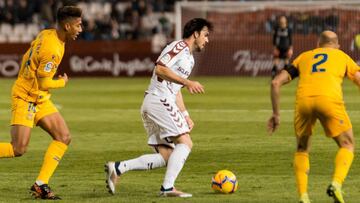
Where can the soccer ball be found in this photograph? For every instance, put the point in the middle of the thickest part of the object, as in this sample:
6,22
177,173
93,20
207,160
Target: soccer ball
224,181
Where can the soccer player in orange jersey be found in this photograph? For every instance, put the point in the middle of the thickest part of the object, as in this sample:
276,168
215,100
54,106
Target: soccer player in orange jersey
319,97
31,103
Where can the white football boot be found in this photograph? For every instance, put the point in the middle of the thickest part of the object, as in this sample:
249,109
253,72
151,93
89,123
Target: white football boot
172,192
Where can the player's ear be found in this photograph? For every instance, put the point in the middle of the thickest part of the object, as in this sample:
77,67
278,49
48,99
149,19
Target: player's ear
196,34
66,27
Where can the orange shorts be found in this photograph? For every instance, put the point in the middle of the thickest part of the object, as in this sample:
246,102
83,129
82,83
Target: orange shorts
332,116
29,113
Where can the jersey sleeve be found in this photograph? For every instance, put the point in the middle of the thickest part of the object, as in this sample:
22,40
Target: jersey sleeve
47,64
351,68
48,83
296,62
172,56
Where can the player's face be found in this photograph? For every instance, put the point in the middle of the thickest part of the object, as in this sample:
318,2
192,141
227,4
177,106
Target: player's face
74,28
283,22
202,39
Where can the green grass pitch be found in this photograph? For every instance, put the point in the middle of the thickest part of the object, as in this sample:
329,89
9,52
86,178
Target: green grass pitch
230,133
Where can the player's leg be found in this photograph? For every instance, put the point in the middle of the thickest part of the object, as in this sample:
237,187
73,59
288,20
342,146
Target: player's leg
20,137
52,122
275,67
145,162
183,146
337,125
288,56
343,161
304,123
276,62
55,125
302,166
344,156
22,121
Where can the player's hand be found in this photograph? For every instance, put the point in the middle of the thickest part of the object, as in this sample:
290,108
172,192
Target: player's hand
290,52
194,87
64,77
276,51
189,122
273,123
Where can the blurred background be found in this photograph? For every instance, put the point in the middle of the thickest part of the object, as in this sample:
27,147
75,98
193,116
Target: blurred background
123,38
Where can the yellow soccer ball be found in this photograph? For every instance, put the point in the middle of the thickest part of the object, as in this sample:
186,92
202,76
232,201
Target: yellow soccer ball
224,181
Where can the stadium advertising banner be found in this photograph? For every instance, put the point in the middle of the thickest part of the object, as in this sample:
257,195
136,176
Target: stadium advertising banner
241,43
253,56
240,57
89,59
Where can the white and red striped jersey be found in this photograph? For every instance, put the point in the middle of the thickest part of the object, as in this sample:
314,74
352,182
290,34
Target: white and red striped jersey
178,58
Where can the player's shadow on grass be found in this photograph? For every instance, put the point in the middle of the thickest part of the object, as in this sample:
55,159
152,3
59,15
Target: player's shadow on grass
96,193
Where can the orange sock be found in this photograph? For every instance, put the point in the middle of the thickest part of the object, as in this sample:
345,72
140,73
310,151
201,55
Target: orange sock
51,160
343,161
302,168
6,150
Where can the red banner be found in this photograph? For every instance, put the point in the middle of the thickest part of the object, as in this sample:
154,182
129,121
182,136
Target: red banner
245,57
107,58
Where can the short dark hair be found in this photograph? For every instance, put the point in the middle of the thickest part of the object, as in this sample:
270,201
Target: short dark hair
196,25
67,12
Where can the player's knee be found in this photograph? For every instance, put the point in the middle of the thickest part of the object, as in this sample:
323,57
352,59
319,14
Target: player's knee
347,143
64,137
165,155
275,83
19,150
302,147
184,139
346,140
190,144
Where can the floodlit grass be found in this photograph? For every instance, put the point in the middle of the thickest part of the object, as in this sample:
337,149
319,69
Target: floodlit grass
104,119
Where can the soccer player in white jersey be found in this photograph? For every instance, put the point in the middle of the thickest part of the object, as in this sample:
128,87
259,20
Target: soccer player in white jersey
165,118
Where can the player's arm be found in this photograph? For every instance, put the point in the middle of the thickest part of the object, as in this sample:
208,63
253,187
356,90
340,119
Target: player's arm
181,105
357,78
47,69
274,37
353,71
47,83
165,73
290,37
281,79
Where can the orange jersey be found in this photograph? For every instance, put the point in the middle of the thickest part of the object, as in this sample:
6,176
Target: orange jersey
321,72
39,62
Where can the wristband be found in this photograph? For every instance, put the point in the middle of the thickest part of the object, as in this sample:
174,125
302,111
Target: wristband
185,113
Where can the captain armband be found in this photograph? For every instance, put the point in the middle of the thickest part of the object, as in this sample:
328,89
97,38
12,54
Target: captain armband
293,72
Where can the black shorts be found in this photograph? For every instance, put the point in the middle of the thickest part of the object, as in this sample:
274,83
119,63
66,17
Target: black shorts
283,53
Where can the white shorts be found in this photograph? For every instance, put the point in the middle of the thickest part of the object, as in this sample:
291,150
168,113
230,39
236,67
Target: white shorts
162,119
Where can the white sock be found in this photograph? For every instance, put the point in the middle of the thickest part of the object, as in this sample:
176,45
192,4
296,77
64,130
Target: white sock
175,163
144,162
39,182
